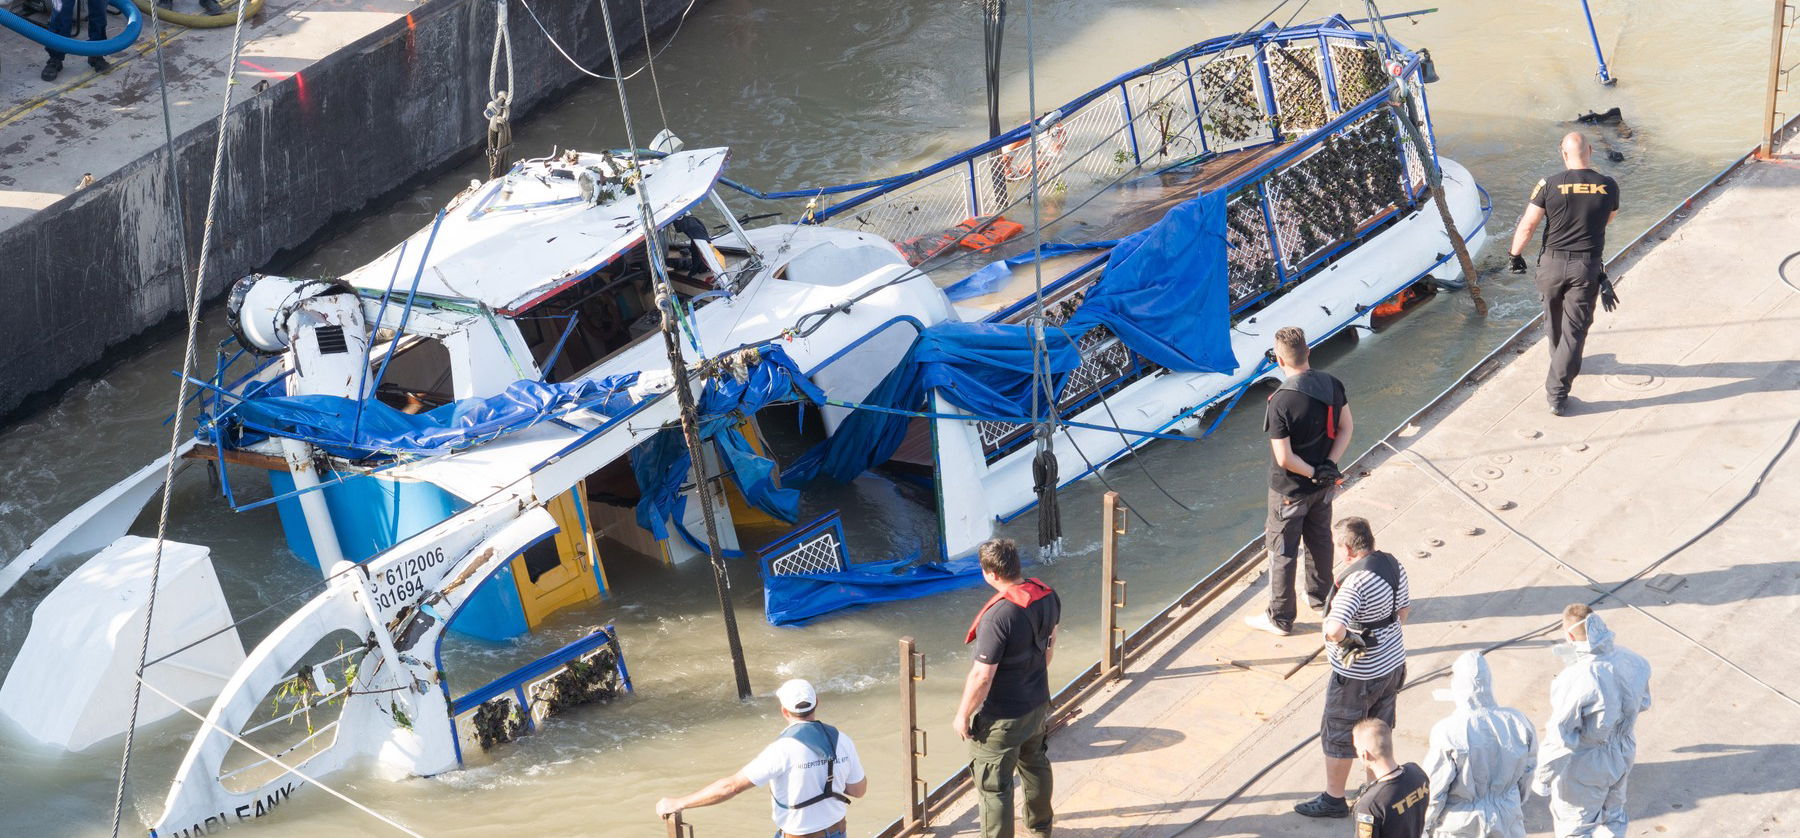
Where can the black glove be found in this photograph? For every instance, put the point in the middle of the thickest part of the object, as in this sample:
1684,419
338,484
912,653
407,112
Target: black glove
1608,299
1326,474
1517,265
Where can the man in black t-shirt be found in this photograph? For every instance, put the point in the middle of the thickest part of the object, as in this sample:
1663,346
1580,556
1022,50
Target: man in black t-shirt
1006,698
1574,205
1394,805
1308,421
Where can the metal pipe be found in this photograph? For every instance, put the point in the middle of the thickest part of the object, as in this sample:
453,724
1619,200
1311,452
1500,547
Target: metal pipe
1777,34
1599,57
299,457
1112,589
912,671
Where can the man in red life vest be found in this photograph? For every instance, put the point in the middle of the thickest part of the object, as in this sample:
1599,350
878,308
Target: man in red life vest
1006,698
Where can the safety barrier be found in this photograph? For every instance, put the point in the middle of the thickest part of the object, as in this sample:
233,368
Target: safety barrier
1778,76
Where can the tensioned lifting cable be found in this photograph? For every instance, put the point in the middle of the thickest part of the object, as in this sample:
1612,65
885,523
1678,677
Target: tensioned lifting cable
650,60
175,427
585,71
669,305
801,327
204,725
1043,391
801,330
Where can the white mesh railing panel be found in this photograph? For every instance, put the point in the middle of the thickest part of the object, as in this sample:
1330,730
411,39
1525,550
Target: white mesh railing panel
822,552
1298,76
1163,117
1231,95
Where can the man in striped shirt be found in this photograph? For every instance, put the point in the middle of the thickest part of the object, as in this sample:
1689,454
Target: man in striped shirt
1367,650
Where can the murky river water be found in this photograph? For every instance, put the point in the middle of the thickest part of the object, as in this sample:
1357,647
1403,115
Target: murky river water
807,92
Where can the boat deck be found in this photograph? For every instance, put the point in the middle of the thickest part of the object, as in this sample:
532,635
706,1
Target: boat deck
1678,412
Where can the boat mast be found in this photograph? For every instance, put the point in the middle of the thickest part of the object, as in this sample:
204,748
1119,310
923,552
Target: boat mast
993,27
684,394
1434,177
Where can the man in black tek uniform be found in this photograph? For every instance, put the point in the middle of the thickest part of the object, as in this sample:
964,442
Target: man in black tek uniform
1575,205
1308,421
1394,805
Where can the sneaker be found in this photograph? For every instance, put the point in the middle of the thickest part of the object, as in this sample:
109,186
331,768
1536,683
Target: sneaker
1317,607
1323,806
99,63
1558,405
211,7
1261,622
51,69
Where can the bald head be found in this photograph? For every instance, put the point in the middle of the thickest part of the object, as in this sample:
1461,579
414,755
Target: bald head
1576,151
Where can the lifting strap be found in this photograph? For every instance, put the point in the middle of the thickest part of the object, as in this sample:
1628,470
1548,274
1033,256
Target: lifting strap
1385,566
821,739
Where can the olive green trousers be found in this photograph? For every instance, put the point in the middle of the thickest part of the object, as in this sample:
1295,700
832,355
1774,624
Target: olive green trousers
998,748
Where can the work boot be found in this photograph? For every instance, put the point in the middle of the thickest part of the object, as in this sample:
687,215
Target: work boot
51,68
212,7
99,63
1322,805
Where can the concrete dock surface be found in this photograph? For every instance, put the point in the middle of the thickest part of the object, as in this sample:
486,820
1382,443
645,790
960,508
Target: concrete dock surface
1690,390
88,123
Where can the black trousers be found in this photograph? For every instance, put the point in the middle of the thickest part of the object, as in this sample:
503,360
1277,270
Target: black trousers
1294,523
62,21
1568,286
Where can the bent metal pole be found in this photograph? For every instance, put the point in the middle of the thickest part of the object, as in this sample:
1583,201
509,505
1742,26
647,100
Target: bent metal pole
684,393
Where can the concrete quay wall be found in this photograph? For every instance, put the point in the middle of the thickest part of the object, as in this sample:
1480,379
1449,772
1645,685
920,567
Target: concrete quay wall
102,265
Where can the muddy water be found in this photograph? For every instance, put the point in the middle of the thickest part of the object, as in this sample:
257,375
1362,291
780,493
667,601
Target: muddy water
805,93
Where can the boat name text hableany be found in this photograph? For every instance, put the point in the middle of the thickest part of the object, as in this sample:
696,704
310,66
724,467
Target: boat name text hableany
247,812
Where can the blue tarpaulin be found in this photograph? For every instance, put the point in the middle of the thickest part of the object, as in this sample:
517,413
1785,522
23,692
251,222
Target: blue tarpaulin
662,463
1164,292
797,599
996,274
332,424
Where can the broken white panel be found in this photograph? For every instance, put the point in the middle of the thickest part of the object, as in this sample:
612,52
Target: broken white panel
71,685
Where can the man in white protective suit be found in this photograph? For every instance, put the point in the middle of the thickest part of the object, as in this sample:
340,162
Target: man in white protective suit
1480,761
1591,738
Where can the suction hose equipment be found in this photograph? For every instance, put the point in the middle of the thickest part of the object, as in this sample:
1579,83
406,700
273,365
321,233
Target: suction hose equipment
134,25
202,21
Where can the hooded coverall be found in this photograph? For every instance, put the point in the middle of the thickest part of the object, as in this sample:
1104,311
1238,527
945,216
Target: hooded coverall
1480,761
1590,742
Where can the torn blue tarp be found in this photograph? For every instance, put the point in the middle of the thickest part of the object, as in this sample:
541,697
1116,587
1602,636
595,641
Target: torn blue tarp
332,423
986,368
662,463
1164,292
797,599
995,275
983,368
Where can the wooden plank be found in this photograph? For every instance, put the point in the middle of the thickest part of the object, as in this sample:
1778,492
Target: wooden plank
237,458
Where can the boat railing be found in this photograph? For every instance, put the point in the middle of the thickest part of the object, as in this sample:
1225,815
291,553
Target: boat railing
1267,87
1294,212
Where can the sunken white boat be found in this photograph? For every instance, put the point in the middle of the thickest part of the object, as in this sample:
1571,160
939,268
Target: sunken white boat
458,433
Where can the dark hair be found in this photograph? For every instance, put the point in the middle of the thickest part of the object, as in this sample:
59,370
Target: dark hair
1000,556
1355,534
1290,345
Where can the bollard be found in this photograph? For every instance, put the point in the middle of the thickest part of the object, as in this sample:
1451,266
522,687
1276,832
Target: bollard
677,828
912,671
1112,588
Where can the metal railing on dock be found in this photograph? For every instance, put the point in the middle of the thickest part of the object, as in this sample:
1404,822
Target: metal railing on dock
1121,650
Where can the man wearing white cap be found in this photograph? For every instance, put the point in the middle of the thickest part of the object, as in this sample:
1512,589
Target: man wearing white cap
811,770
